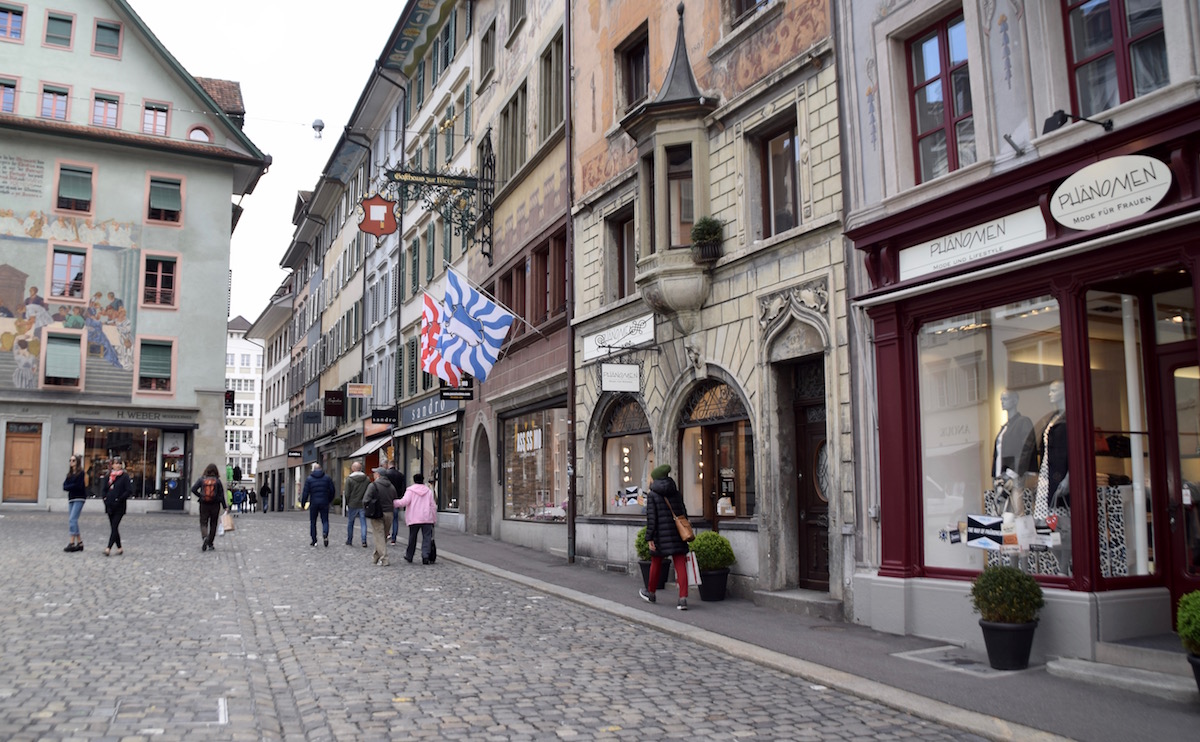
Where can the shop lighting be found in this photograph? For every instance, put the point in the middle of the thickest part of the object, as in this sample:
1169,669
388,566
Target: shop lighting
1059,118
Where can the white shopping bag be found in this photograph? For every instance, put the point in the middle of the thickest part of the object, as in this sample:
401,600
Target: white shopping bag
220,527
693,570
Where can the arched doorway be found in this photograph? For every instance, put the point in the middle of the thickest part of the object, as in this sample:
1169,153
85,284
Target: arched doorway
716,454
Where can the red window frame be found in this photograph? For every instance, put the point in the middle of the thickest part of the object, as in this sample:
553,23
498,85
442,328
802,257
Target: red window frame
945,77
105,110
154,119
1121,40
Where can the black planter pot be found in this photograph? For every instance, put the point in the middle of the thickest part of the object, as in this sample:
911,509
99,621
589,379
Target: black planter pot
1008,644
713,583
663,573
1194,660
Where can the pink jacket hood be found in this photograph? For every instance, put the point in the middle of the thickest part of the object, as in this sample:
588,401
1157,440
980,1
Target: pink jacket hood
419,504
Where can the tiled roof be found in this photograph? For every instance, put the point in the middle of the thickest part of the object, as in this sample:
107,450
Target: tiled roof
227,94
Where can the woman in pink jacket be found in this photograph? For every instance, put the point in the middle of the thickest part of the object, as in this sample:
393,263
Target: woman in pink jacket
420,513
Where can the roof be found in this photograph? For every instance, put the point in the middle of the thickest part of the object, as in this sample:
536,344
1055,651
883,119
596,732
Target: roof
226,93
238,324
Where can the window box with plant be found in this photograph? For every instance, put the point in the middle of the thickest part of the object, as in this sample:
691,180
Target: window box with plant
1008,601
714,556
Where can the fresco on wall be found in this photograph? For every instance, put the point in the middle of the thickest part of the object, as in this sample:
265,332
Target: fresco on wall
28,309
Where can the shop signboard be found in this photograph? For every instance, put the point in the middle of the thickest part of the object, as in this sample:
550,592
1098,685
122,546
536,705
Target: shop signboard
1110,191
979,241
620,377
633,333
359,391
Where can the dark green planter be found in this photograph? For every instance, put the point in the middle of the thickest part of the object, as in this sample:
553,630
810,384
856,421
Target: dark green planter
1008,644
713,584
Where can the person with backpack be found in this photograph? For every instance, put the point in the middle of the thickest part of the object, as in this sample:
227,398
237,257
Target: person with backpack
318,494
210,493
377,506
117,489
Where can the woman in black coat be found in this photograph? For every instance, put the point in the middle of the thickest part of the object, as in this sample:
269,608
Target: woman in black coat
117,488
661,535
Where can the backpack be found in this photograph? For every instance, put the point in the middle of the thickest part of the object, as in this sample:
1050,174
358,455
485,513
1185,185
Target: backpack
208,490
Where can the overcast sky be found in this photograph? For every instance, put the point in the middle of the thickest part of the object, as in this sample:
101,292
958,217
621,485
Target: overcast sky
296,62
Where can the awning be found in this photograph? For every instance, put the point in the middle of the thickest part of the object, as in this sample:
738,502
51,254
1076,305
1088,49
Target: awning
371,446
436,422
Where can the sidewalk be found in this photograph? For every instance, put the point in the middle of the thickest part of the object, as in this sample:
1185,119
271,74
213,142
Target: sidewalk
943,684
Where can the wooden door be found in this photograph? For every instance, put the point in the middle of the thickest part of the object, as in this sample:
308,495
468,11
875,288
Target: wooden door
812,496
22,462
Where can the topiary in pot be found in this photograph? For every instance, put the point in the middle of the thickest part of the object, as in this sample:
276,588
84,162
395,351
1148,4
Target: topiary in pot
708,232
641,547
712,550
1006,595
643,554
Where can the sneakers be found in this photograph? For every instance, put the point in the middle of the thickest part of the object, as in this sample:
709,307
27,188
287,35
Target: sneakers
203,546
364,544
314,543
647,596
408,559
424,561
348,542
682,605
326,542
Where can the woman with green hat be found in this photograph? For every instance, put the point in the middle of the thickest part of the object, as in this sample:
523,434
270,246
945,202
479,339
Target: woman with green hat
662,505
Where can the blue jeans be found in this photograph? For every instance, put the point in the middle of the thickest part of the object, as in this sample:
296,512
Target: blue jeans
76,507
313,511
361,515
395,523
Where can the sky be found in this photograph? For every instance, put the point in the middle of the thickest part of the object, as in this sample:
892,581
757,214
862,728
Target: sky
296,62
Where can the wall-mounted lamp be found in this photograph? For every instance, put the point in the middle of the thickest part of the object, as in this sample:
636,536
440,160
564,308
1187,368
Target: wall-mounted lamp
1060,117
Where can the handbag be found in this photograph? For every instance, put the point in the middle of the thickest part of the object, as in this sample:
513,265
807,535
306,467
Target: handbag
693,569
227,521
682,524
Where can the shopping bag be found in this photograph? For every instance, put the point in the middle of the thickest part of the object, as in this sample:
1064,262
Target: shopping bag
693,569
220,527
227,521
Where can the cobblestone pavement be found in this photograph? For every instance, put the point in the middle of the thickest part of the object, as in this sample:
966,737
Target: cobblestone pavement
269,638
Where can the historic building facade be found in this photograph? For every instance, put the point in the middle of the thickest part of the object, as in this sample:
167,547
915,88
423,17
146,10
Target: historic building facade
1022,203
116,186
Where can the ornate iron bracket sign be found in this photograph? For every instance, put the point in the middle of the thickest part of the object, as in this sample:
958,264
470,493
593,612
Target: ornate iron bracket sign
448,194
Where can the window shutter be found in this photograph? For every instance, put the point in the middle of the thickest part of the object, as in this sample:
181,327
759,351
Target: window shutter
62,357
75,183
165,195
156,360
430,237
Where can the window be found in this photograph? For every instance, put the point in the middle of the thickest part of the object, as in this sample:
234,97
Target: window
413,350
628,458
8,96
154,366
75,188
415,257
635,69
447,249
165,200
550,100
548,277
105,109
430,244
445,42
68,274
940,92
245,360
744,9
108,39
679,191
58,30
229,362
419,83
487,51
781,191
199,134
64,360
448,130
54,102
154,119
516,14
624,254
1118,51
12,23
535,466
159,281
513,120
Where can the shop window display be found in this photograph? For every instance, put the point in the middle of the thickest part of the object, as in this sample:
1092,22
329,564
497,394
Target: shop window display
628,458
153,458
995,485
716,454
535,466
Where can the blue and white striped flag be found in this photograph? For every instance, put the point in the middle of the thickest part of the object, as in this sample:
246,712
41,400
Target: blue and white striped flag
473,328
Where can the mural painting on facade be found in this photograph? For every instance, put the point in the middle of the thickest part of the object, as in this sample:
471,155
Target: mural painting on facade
28,308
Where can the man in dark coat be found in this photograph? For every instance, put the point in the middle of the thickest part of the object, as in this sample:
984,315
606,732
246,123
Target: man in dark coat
663,503
396,478
318,493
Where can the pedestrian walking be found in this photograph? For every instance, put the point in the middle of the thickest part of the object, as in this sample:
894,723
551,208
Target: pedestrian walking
264,496
420,513
117,488
318,494
76,487
396,477
210,493
377,504
352,496
663,503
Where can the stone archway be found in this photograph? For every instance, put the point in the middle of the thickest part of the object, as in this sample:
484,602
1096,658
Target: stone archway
481,482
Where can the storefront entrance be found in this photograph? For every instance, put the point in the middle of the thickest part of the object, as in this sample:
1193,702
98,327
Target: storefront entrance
812,469
1180,383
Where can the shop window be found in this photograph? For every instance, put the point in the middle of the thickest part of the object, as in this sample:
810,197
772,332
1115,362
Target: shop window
151,475
8,95
158,286
108,39
1175,315
940,96
63,365
445,483
1117,51
1121,440
154,118
105,110
165,200
680,209
628,458
633,57
58,30
994,439
68,277
74,188
12,22
716,448
155,366
535,466
54,102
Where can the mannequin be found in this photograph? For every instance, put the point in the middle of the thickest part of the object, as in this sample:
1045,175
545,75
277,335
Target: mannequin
1053,481
1015,448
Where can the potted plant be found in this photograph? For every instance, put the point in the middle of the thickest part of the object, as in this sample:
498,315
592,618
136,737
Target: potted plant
708,232
714,555
1187,623
1007,601
643,555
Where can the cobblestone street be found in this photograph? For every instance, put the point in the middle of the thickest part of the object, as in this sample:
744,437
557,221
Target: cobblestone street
269,638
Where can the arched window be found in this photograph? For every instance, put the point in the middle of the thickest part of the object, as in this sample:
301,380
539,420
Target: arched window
716,451
628,457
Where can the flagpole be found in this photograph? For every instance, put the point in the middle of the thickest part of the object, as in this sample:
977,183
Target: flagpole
480,289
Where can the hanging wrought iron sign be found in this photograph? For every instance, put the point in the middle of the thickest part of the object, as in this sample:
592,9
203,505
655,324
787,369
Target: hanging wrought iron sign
376,215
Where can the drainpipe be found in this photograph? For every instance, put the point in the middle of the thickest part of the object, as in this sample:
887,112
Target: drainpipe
569,139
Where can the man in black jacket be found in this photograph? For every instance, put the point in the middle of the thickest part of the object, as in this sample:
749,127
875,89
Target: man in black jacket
318,493
396,478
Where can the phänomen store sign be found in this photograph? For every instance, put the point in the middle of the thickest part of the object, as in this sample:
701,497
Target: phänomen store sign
1110,191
